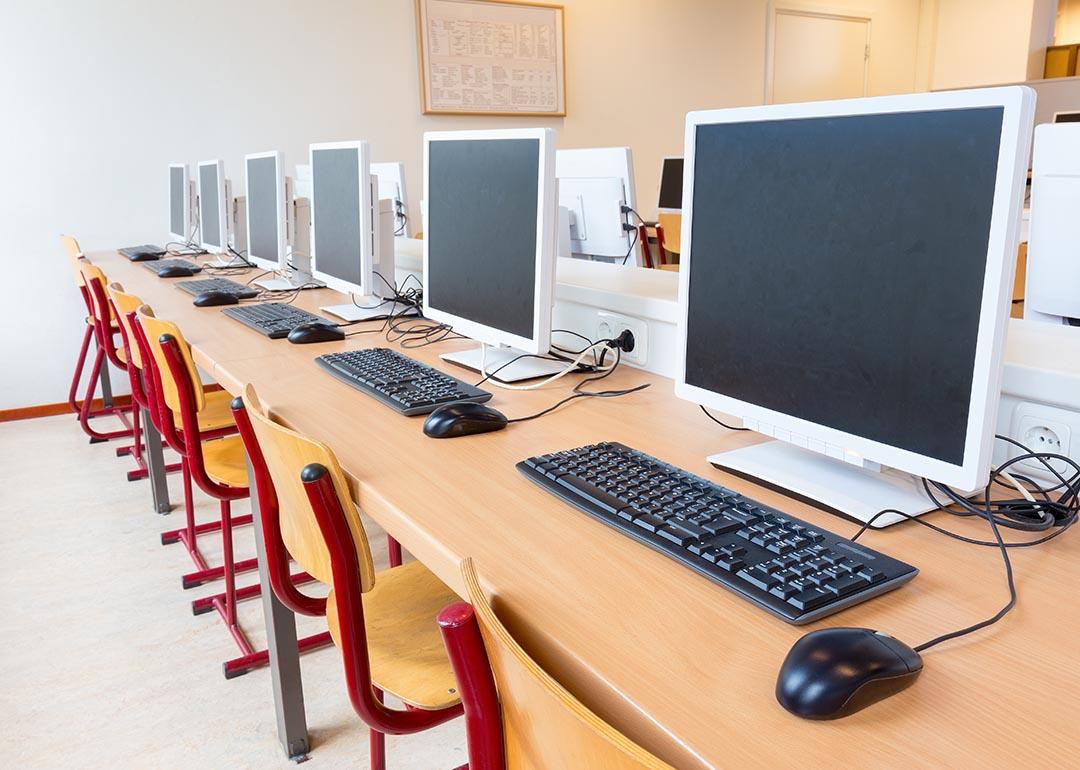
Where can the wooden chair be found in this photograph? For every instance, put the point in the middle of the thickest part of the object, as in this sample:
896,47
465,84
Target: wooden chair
102,327
384,623
216,464
516,714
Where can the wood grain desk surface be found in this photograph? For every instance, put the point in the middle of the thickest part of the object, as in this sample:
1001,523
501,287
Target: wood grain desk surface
683,666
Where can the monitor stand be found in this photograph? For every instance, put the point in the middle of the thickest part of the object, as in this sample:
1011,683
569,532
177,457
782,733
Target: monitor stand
525,369
365,308
226,260
290,282
839,487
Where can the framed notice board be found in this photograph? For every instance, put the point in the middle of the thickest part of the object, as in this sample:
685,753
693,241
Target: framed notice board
489,57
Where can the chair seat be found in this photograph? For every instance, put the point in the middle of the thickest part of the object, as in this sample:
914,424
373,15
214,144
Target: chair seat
405,647
216,414
122,355
226,462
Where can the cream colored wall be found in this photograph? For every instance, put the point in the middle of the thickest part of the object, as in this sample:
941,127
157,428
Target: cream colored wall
1067,26
986,42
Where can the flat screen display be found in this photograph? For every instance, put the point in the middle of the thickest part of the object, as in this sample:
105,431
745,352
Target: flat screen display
482,201
209,206
671,178
837,268
177,201
336,213
262,209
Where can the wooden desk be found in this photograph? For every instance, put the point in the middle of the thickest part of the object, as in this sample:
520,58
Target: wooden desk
679,664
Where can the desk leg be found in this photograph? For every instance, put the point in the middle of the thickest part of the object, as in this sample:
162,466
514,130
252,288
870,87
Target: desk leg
284,655
105,384
155,464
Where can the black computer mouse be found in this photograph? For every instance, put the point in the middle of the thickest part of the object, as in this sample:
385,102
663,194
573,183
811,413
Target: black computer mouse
315,331
463,418
176,271
215,298
835,672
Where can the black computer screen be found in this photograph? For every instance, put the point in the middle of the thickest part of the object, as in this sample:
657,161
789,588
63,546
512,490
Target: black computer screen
177,202
837,266
481,231
262,209
336,214
209,213
671,184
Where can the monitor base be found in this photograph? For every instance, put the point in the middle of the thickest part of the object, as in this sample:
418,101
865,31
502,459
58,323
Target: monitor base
290,283
364,309
525,369
833,485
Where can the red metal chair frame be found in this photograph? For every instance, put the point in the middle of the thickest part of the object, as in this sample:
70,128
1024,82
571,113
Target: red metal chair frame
190,447
348,595
188,534
102,331
476,685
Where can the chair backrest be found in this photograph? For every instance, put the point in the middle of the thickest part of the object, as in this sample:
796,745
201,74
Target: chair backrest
126,305
672,224
287,453
544,726
155,328
74,252
95,282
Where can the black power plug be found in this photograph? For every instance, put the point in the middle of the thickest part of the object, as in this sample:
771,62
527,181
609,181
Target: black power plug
624,342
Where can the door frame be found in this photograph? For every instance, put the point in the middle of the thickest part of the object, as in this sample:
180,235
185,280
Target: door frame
792,9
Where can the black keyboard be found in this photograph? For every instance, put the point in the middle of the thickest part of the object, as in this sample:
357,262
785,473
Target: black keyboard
274,319
783,564
401,383
141,253
161,265
218,284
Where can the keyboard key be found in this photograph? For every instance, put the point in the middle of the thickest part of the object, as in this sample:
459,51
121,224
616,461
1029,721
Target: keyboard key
757,576
847,584
810,599
649,522
871,575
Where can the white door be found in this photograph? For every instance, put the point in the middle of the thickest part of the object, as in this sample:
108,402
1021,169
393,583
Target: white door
817,56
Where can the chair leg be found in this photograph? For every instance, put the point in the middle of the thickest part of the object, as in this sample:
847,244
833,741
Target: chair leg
73,391
85,414
393,549
377,741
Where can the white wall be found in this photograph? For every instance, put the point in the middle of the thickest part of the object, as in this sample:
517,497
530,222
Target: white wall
98,99
987,42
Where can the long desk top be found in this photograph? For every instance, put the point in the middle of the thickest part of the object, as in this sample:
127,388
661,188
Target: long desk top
681,665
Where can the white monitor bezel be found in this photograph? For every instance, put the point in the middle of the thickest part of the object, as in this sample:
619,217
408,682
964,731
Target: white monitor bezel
280,204
544,276
660,184
187,235
367,256
223,208
1018,115
603,163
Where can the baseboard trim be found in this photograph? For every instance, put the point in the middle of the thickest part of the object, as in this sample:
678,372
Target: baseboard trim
51,410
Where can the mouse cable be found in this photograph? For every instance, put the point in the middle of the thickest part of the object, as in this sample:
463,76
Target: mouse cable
580,393
721,423
1026,513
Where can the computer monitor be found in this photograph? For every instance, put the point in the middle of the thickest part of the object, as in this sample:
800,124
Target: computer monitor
213,207
264,183
858,314
1067,117
391,181
181,217
669,198
489,258
346,233
594,186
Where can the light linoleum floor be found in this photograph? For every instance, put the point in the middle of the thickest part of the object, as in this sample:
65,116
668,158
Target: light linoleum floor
102,663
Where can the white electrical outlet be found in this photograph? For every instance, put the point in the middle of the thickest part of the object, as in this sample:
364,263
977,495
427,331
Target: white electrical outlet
1043,428
611,325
